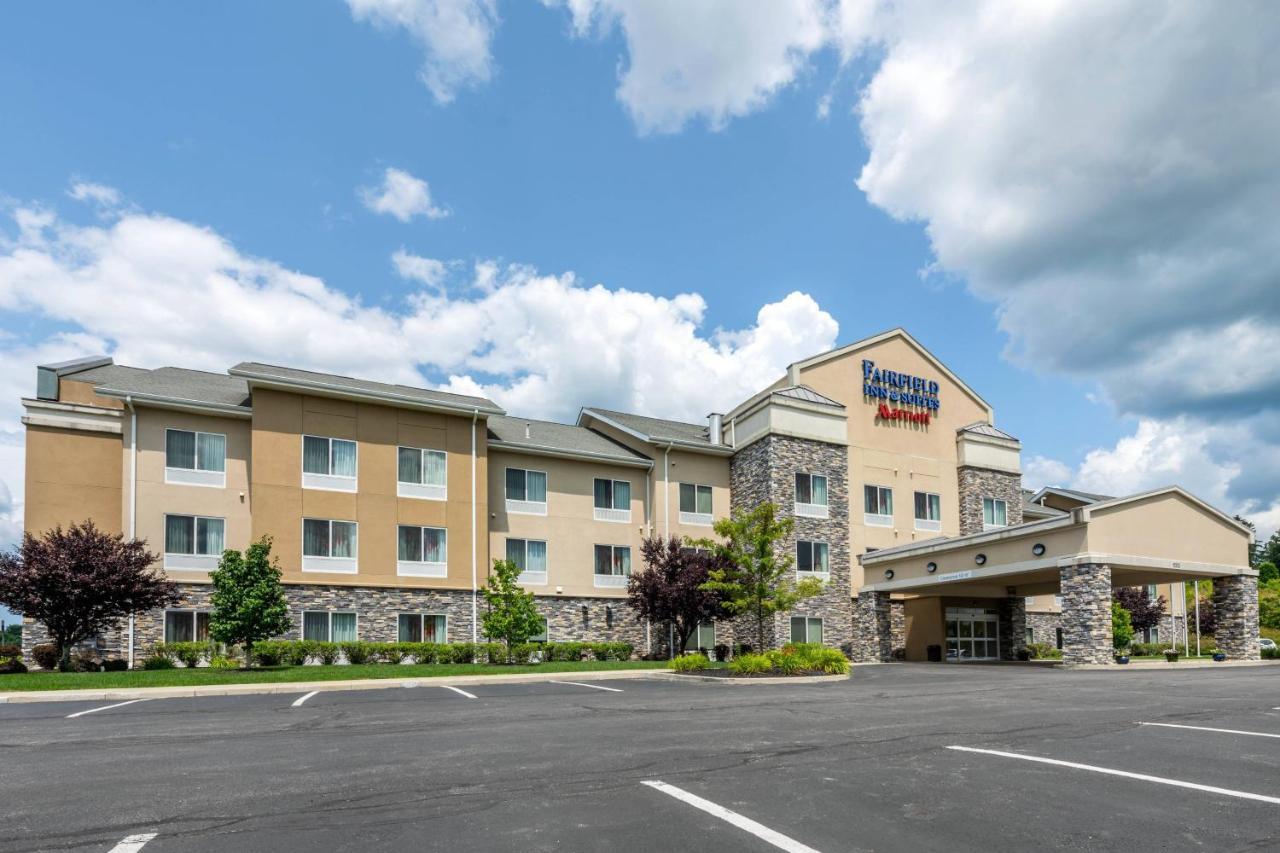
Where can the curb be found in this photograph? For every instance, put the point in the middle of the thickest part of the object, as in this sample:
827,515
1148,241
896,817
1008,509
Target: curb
1165,666
780,679
123,693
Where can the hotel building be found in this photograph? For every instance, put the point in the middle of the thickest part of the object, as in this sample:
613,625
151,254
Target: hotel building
386,505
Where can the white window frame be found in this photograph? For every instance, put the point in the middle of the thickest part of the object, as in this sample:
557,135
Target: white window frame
302,624
810,574
531,578
422,617
422,568
193,561
525,507
609,581
421,491
994,501
930,524
696,519
807,619
877,519
195,622
694,638
614,513
333,565
810,509
194,476
328,482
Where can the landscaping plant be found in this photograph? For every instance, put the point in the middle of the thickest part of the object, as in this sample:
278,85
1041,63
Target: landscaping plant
512,616
690,663
672,587
248,598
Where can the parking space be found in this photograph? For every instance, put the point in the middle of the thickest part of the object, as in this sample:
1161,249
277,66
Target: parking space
860,765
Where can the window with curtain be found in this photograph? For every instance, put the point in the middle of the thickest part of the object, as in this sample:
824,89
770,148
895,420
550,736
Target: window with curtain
434,548
811,489
612,494
209,536
529,555
315,626
806,629
343,537
193,535
422,544
878,500
332,457
422,628
812,556
704,636
613,560
185,626
524,485
695,498
409,549
994,512
343,627
325,538
324,626
421,467
928,507
195,451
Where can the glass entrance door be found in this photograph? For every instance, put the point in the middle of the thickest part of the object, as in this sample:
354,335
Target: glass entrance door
972,634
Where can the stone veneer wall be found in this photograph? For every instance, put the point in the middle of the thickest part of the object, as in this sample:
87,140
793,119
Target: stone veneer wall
1235,606
1044,627
979,483
1013,626
765,471
1086,614
872,639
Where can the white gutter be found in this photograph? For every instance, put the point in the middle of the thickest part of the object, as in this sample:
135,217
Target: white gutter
133,494
475,588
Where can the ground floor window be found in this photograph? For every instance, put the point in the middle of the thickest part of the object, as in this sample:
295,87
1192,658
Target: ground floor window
704,636
806,629
327,626
1150,635
186,626
1031,635
423,628
1057,639
544,635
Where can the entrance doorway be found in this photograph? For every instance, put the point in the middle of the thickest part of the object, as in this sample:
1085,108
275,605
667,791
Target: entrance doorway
973,633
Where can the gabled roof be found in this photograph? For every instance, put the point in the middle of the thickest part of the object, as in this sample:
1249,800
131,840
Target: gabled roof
808,395
657,431
1085,497
331,384
171,386
794,369
1031,510
555,439
986,429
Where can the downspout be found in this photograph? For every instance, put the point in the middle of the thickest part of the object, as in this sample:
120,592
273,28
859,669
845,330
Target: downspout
666,493
475,589
133,494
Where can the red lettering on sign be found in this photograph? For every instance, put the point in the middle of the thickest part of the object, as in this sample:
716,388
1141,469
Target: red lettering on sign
902,415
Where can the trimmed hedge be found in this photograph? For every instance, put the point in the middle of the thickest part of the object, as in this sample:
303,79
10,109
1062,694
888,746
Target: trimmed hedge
300,652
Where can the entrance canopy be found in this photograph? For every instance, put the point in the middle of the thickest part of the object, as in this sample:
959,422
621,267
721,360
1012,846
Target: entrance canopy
1163,536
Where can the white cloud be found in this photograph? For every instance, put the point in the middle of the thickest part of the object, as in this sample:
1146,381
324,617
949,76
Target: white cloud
97,193
403,196
455,36
1040,471
427,271
716,60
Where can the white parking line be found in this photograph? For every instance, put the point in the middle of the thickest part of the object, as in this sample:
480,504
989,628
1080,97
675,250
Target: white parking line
298,702
764,833
459,690
103,708
133,843
1143,777
1207,729
592,686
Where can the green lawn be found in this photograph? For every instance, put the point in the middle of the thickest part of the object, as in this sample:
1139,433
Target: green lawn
272,675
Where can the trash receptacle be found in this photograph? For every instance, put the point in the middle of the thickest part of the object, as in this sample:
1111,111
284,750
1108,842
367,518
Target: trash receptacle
934,653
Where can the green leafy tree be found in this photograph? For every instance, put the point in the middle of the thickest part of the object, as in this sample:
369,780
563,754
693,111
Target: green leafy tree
1121,626
512,616
755,576
11,636
1269,606
248,598
1267,573
1269,551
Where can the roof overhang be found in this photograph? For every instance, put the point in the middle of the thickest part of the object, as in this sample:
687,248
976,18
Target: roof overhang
670,443
73,416
561,453
389,398
159,401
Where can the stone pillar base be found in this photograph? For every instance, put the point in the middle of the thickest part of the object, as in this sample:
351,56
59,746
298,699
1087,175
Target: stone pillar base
1013,626
872,628
1086,614
1235,606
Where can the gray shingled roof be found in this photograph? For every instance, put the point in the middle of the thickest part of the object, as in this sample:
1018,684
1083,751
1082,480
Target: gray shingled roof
1029,508
1091,497
657,429
558,438
170,383
983,428
807,394
257,370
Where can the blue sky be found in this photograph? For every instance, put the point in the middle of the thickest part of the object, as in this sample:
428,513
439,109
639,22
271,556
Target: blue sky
1072,248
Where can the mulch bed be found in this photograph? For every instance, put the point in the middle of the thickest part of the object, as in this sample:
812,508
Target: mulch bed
724,673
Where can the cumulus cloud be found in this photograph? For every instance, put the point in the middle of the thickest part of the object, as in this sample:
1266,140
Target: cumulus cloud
427,271
455,37
403,196
97,193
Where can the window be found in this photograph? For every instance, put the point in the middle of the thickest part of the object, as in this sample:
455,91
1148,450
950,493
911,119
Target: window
928,511
994,513
1031,635
325,626
806,629
812,558
195,458
328,463
423,628
695,504
878,506
422,551
704,636
421,473
328,546
613,565
542,637
193,541
531,556
1057,637
186,626
1152,592
612,500
811,495
526,491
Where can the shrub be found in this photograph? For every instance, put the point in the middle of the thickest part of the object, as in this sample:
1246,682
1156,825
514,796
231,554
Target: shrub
157,662
187,654
12,666
742,649
85,660
10,651
522,653
269,652
45,655
564,651
223,662
750,664
327,652
722,652
620,651
788,661
296,652
357,653
425,652
599,651
396,652
1271,654
690,663
1043,651
830,661
115,665
460,652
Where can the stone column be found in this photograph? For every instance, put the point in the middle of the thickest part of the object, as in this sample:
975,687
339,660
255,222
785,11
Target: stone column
1013,626
1086,614
1235,606
872,628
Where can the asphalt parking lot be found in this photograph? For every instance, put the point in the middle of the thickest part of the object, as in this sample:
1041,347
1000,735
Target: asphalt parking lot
1063,760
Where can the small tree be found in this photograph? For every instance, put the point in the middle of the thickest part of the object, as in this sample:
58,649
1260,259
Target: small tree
1269,551
1144,611
752,577
1267,573
512,616
81,581
1121,626
671,587
248,599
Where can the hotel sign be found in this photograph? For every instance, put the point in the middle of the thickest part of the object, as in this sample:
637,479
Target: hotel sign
891,386
955,576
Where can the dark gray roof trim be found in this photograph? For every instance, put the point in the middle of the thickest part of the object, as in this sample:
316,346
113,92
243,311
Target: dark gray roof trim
659,431
383,392
173,387
808,395
984,428
555,439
